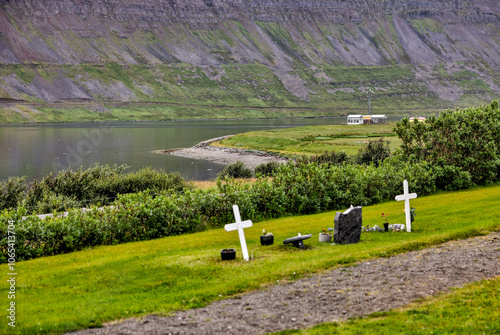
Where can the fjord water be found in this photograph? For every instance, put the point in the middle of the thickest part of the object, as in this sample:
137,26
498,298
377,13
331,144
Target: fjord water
36,150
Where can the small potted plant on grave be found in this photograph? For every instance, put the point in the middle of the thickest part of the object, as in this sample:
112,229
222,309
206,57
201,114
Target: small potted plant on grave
266,238
386,223
228,254
325,236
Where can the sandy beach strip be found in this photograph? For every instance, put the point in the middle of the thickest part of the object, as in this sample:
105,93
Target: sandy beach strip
225,155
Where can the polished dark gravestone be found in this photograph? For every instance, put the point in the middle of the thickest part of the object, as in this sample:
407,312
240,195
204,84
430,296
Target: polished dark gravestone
348,226
297,241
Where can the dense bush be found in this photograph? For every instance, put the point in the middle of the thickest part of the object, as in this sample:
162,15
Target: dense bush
12,192
375,152
267,169
99,184
467,139
451,178
331,158
236,170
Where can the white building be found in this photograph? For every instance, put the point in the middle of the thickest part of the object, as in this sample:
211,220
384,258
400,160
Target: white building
366,119
355,119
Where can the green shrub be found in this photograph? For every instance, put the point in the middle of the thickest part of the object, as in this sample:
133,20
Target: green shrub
12,192
52,202
331,158
375,152
452,178
267,169
468,139
98,185
236,170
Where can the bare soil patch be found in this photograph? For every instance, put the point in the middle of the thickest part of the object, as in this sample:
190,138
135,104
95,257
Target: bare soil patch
338,294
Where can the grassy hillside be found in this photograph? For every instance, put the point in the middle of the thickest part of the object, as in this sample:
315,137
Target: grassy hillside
183,91
84,289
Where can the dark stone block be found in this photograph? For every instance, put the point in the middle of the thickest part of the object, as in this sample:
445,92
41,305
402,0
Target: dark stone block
297,241
348,226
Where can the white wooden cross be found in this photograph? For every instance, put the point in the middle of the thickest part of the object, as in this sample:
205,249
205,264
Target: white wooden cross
239,225
406,196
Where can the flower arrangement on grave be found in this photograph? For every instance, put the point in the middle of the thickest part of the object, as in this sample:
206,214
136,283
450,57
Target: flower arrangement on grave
386,223
266,238
325,232
374,228
387,227
264,233
397,227
325,235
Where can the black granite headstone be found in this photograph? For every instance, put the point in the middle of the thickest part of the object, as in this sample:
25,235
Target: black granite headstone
348,226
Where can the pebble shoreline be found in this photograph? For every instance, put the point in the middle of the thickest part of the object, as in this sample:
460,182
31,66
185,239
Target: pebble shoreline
225,155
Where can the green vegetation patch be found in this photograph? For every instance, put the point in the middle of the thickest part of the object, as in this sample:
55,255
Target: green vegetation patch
333,90
314,139
426,25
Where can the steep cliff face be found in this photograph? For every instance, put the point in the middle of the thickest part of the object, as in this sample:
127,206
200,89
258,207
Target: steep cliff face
298,41
71,31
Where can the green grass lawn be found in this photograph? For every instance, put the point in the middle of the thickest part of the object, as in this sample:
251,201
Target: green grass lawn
84,289
314,139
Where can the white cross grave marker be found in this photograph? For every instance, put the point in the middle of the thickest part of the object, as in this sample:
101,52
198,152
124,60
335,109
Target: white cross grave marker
406,196
239,225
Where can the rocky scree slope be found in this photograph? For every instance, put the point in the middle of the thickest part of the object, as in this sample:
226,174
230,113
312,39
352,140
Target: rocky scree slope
323,53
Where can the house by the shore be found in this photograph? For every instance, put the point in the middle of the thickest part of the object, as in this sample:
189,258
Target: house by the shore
366,119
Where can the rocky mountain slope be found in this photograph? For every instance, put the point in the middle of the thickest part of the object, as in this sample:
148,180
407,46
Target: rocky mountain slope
324,54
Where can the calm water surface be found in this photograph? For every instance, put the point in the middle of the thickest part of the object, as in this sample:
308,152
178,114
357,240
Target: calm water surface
37,150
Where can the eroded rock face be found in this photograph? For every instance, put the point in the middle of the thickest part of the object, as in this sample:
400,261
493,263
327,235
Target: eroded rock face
173,23
276,33
209,11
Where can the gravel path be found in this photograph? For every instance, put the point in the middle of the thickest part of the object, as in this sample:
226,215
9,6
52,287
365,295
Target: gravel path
370,286
225,155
